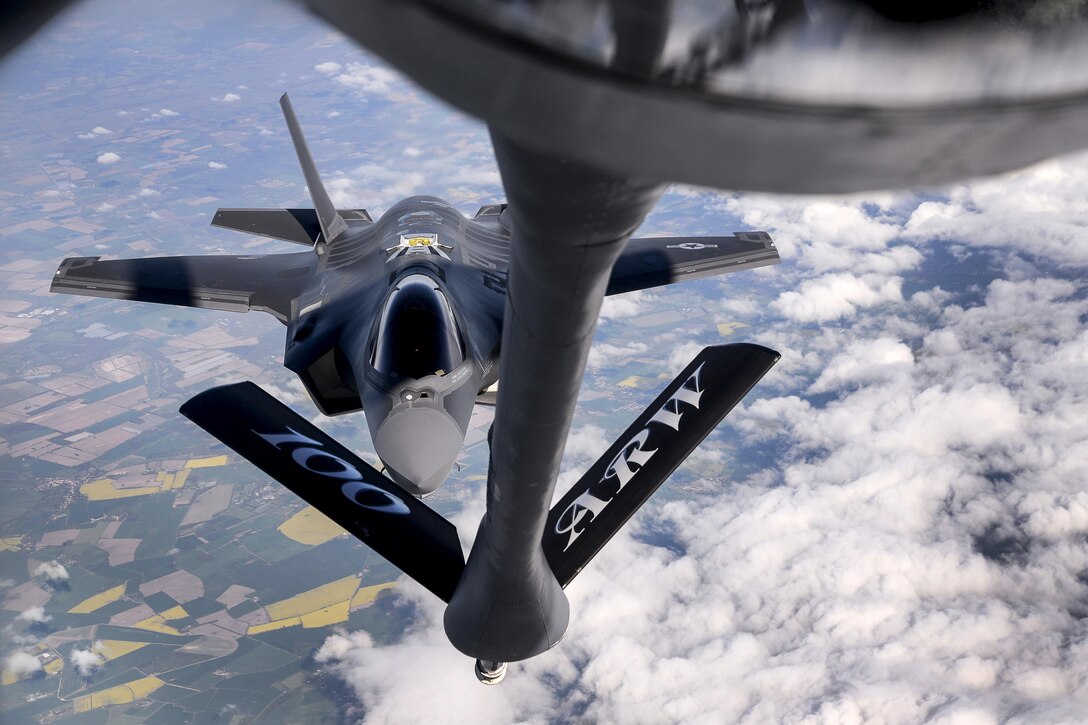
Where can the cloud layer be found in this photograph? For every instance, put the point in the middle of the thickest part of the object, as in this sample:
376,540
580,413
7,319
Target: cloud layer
911,549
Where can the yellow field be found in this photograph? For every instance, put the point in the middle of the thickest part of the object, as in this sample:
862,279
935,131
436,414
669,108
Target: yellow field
156,623
103,490
208,462
120,695
269,626
636,381
311,527
8,677
366,595
52,667
98,601
10,543
112,649
177,612
318,598
725,329
329,615
320,607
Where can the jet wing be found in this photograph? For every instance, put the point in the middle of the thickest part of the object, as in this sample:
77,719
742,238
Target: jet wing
656,261
238,284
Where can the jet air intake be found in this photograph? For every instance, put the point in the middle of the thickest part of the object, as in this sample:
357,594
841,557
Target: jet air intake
418,399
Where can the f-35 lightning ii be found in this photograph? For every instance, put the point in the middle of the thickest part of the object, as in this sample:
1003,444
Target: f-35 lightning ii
402,318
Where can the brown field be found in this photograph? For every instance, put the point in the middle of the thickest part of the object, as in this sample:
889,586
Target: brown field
181,585
208,504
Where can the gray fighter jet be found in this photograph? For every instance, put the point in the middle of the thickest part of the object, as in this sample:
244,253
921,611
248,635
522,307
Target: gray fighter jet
403,319
399,317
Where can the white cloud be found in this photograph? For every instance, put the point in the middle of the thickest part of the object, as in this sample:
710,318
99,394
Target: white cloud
1042,209
328,67
586,443
229,98
865,361
147,191
374,79
854,233
22,664
167,112
681,355
34,615
216,165
836,296
52,571
629,304
95,132
346,193
910,544
86,661
604,353
462,176
108,158
450,692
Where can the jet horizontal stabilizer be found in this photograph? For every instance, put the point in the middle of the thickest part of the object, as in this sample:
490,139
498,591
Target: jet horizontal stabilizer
300,226
659,440
332,479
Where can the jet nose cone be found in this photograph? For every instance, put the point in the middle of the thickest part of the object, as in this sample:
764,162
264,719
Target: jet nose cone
418,447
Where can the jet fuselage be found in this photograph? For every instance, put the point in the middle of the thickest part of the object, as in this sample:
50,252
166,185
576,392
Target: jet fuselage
403,319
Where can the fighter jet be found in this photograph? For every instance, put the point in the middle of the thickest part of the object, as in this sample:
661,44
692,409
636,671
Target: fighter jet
592,105
402,318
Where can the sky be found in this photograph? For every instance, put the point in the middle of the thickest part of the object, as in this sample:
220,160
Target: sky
903,534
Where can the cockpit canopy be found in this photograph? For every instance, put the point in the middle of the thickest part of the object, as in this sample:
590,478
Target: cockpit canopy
417,335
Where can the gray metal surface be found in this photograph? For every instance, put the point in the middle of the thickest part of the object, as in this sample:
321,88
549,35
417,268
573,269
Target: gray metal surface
569,225
734,140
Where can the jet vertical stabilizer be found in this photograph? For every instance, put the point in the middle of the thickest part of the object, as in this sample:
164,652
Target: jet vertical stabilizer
332,224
